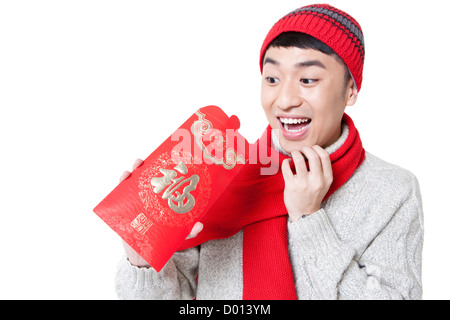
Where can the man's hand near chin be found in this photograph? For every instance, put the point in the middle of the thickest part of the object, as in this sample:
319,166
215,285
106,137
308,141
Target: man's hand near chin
304,191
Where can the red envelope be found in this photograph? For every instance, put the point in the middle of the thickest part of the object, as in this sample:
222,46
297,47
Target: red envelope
155,208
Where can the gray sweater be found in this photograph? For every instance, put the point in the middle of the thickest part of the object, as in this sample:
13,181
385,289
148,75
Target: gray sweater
364,243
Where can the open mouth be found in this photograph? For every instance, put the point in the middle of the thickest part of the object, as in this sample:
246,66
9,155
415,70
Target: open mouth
295,125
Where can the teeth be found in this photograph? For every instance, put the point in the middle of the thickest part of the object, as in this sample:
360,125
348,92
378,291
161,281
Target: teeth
293,121
287,121
295,131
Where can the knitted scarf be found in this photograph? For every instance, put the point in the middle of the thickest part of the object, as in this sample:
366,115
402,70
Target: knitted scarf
254,202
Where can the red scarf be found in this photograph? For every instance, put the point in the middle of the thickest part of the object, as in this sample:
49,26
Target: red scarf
255,202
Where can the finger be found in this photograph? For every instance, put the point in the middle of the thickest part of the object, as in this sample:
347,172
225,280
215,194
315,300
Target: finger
325,162
198,226
286,169
124,175
313,159
300,164
137,163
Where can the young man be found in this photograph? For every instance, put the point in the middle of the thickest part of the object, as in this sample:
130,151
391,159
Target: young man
335,223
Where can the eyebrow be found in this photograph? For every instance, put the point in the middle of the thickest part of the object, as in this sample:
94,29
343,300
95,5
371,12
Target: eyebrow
271,61
310,63
303,64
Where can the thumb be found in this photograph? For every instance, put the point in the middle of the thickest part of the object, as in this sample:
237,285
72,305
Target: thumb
198,226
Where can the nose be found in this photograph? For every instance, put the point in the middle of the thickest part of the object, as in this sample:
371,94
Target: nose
289,95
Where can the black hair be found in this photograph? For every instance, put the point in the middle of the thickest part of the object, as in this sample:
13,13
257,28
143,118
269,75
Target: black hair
305,41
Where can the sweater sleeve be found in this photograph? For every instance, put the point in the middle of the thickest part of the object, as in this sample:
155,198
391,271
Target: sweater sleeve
177,280
388,266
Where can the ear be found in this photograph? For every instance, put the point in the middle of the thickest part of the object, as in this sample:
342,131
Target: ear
351,93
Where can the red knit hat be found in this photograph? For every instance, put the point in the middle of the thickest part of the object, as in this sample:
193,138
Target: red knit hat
333,27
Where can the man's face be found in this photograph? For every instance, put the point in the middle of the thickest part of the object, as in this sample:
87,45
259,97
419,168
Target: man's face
304,95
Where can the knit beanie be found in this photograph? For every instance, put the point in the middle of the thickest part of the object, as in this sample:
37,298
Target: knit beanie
333,27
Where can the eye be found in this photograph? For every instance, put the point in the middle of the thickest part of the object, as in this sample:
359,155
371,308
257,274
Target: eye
272,80
308,81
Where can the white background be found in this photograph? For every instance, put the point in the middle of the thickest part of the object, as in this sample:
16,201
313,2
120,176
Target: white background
86,87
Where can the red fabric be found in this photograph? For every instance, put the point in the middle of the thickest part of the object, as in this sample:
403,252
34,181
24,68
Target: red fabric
255,202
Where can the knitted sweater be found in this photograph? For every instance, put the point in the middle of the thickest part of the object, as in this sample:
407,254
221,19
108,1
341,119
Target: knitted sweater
364,243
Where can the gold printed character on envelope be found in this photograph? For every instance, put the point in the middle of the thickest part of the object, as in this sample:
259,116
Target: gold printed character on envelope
141,224
203,128
179,202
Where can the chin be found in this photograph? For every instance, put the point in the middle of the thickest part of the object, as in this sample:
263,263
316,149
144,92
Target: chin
289,146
